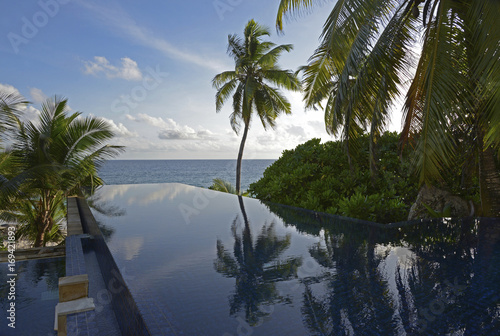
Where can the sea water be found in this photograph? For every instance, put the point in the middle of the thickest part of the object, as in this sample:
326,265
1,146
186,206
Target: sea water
198,173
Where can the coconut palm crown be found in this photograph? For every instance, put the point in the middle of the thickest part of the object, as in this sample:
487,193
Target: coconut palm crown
254,83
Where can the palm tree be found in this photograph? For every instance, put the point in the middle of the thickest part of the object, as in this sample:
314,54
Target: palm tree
250,83
50,160
443,52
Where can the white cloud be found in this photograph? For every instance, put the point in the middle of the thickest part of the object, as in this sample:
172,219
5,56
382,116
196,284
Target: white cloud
37,95
153,121
29,113
117,18
297,131
171,130
128,69
180,135
9,89
120,130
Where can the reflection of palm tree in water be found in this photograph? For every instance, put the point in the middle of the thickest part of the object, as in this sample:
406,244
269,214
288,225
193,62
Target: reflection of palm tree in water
355,297
106,209
256,268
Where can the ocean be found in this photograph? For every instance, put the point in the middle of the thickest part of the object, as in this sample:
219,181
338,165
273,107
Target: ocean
199,173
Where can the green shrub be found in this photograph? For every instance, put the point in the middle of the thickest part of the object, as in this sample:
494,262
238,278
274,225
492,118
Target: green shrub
317,176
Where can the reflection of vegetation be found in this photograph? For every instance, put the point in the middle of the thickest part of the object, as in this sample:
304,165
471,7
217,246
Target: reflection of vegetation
356,296
107,209
31,273
256,268
445,276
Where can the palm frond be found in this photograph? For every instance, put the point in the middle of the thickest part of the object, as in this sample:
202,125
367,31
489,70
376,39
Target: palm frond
223,94
219,80
219,184
11,105
269,59
235,47
81,137
440,75
288,8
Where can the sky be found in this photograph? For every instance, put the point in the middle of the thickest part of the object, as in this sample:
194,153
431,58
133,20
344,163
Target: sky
147,66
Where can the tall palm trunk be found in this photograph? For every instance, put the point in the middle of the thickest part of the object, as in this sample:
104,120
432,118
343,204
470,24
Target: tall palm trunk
372,157
489,183
240,157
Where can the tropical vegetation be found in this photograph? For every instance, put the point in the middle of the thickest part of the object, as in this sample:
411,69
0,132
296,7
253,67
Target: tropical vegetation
317,176
46,161
443,54
221,185
254,83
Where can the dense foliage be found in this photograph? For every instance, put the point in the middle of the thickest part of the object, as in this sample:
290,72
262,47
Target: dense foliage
317,176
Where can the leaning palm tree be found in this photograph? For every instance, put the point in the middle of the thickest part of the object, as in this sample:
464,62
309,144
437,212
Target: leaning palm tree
49,160
442,53
256,69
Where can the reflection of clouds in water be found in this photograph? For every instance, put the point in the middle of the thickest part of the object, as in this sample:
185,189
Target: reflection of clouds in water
108,193
402,255
129,248
397,264
173,267
162,191
142,194
405,256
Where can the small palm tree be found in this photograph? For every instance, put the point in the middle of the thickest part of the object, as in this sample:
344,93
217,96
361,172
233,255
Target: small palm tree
221,185
49,160
250,83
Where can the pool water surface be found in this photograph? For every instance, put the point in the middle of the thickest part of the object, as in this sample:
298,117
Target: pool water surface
36,295
217,264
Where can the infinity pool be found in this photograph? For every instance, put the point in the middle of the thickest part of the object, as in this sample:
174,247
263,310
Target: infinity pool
216,264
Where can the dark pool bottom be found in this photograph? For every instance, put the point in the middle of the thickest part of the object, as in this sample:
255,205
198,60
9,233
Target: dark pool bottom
37,294
208,263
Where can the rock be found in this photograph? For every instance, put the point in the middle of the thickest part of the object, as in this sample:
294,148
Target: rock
438,200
